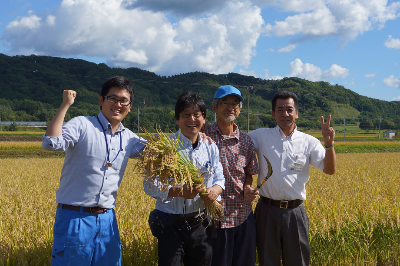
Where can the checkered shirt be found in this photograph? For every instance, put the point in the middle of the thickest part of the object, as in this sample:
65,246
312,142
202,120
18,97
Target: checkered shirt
238,158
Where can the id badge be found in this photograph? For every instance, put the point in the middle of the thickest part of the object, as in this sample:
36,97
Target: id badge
296,168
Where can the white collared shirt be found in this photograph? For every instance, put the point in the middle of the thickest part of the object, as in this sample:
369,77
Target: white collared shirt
290,157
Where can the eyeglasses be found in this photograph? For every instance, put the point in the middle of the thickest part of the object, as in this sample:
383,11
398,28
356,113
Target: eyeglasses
113,99
232,105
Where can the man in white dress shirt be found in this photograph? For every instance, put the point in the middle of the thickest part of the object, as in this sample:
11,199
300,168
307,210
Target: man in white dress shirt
281,218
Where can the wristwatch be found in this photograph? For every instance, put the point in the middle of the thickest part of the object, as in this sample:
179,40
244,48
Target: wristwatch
330,147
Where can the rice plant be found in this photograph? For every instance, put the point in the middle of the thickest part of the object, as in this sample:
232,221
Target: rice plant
354,215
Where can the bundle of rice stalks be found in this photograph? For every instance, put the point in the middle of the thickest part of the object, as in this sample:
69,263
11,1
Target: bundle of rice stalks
164,166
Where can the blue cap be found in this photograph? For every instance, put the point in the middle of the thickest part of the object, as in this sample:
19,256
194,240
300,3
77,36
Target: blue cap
227,90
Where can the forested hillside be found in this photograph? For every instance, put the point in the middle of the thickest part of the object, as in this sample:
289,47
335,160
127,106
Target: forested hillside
31,88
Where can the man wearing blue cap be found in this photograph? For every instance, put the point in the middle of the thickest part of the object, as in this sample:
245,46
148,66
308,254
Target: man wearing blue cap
236,235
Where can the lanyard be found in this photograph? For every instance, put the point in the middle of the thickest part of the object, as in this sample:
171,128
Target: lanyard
109,164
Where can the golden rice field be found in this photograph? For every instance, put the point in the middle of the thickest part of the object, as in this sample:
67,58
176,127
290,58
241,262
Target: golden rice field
354,214
37,132
37,145
20,145
372,143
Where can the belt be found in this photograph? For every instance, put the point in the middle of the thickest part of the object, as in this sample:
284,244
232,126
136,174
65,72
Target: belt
92,210
283,204
190,217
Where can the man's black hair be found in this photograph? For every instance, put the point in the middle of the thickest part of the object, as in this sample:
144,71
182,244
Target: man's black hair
119,82
285,95
187,99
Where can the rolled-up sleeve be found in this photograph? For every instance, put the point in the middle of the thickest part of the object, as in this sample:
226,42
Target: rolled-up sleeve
152,189
69,136
136,146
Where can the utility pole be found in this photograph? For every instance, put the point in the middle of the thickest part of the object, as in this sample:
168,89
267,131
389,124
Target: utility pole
248,107
138,115
257,124
380,120
344,126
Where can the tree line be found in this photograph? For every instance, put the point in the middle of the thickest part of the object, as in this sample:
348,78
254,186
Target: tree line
31,90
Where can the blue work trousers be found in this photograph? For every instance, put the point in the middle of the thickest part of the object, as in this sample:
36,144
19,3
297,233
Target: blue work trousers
82,238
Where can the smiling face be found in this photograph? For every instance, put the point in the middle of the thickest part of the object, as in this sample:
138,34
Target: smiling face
115,112
190,122
285,115
227,108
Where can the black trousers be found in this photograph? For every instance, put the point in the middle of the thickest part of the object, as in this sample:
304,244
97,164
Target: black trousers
186,242
235,246
282,232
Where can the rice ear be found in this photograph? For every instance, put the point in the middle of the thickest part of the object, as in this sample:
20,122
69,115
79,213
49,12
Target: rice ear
164,166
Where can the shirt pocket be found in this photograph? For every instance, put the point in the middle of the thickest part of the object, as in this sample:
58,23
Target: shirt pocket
295,163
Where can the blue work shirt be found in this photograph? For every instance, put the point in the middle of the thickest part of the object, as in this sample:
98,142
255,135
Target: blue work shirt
85,180
206,157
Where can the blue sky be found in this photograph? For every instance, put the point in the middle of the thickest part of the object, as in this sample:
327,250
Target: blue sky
354,43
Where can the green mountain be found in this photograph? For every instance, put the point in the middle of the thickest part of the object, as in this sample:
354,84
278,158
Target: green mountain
31,90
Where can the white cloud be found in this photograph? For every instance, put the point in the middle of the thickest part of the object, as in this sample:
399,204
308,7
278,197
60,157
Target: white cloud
274,77
345,19
372,84
314,73
306,71
288,48
214,36
221,41
215,43
270,50
396,98
391,81
29,23
51,20
392,43
317,23
369,75
335,71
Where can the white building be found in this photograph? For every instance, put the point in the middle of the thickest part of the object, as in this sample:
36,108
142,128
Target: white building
389,134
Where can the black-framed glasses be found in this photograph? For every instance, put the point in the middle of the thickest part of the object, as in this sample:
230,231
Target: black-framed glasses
231,105
113,99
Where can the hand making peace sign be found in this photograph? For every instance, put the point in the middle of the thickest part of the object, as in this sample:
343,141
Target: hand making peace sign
328,133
